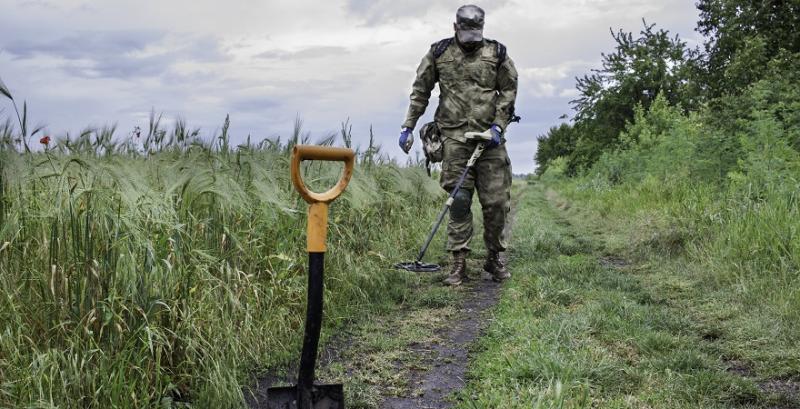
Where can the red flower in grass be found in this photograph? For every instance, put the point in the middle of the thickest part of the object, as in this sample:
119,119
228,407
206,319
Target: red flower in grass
45,141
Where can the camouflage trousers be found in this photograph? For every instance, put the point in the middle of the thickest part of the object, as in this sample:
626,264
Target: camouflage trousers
491,177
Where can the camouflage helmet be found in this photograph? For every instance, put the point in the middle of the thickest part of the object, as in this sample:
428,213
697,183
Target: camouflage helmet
469,23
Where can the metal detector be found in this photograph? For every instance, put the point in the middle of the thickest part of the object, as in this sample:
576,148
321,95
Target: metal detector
418,266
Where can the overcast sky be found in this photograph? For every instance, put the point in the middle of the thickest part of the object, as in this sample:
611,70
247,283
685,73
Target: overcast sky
85,63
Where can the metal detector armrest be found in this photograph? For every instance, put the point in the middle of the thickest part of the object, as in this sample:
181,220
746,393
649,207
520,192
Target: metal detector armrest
479,136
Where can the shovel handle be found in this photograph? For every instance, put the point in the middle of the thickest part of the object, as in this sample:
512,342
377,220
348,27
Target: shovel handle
318,209
326,153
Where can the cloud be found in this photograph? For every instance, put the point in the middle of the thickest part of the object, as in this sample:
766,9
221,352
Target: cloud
256,104
549,81
558,71
570,93
265,62
86,44
305,53
375,12
118,54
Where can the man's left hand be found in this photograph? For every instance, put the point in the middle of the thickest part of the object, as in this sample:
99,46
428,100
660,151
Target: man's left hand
497,133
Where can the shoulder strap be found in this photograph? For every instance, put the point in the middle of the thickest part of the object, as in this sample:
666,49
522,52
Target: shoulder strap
499,52
440,47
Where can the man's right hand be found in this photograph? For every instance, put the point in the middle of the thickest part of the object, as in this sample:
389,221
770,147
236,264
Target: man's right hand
406,139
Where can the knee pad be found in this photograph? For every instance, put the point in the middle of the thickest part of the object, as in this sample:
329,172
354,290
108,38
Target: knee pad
462,205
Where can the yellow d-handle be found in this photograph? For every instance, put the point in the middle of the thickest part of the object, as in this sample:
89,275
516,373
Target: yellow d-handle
318,209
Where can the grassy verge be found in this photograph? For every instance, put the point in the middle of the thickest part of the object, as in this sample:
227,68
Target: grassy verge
584,324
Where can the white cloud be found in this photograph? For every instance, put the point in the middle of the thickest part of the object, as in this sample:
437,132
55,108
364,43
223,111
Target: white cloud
81,62
570,93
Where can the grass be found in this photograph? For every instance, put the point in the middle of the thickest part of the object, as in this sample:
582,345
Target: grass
378,354
584,324
737,256
380,351
166,271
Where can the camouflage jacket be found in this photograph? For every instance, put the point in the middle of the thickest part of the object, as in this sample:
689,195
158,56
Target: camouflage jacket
475,89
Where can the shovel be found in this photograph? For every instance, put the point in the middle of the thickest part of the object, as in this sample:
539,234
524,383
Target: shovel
306,394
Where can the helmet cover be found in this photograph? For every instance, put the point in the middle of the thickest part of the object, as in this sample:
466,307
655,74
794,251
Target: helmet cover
469,24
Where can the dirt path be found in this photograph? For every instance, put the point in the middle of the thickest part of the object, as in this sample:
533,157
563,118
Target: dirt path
445,361
426,365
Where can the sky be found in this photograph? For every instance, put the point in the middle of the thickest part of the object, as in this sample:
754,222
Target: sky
81,63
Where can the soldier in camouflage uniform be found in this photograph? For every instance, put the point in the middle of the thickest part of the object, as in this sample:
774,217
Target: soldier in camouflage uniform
478,88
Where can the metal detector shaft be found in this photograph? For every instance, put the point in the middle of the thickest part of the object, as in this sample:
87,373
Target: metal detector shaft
474,158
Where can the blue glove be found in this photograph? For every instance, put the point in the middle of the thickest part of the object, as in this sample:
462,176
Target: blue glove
406,139
497,133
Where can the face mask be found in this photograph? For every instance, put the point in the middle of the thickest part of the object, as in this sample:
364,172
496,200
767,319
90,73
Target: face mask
468,39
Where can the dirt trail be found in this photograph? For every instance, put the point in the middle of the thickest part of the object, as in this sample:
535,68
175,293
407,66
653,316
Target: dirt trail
442,360
446,361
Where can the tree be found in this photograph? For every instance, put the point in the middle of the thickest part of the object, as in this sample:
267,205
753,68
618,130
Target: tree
636,72
557,142
742,36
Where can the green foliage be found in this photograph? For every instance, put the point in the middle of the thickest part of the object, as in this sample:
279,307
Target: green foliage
578,329
659,143
741,37
639,70
635,73
557,143
164,273
739,227
724,175
711,188
777,94
750,64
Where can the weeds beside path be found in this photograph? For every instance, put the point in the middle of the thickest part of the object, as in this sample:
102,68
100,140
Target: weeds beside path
579,326
166,278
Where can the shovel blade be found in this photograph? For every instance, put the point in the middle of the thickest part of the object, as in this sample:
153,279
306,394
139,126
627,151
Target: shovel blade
322,396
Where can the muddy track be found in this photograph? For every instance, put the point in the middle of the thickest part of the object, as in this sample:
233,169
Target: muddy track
446,361
442,365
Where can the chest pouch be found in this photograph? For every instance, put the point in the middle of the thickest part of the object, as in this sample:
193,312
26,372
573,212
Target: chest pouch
432,146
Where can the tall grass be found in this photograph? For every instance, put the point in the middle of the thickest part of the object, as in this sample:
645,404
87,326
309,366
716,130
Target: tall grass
743,230
162,270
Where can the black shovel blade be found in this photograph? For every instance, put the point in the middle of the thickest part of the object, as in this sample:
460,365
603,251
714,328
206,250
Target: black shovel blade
322,396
